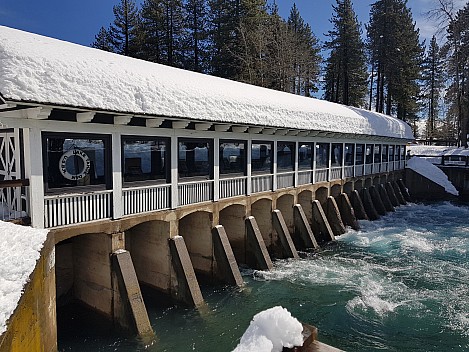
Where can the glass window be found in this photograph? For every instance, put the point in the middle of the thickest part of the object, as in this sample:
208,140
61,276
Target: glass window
402,152
384,153
369,154
377,157
232,157
76,160
286,156
195,158
336,154
360,154
397,153
322,155
305,156
391,153
261,157
349,154
145,158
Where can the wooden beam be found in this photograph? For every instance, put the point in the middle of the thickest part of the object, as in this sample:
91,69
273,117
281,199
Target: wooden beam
269,131
84,117
281,132
202,126
239,129
180,124
154,122
303,133
222,128
14,183
293,133
255,129
122,119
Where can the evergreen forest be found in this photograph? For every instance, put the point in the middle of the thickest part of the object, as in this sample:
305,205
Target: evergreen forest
382,65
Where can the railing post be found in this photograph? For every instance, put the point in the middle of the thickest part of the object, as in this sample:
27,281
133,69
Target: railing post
248,167
342,176
329,167
216,168
34,172
117,201
174,171
274,181
314,163
295,176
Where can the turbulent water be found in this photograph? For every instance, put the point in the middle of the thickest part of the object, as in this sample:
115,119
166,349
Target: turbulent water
399,284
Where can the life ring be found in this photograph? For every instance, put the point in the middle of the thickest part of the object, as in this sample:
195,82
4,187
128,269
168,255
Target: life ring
78,154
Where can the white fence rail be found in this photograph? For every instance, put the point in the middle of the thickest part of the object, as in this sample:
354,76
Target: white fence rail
261,183
11,204
144,199
348,171
368,169
384,166
286,179
71,209
336,173
358,170
305,177
321,175
195,192
232,187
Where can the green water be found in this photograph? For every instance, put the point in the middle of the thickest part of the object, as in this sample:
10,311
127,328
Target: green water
399,284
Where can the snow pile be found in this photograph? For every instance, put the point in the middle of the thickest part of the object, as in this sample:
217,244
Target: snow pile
435,150
49,71
431,172
19,248
271,330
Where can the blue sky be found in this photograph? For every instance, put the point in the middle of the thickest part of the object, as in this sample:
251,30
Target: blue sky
79,21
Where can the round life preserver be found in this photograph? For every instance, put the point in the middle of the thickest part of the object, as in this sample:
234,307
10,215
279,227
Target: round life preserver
78,154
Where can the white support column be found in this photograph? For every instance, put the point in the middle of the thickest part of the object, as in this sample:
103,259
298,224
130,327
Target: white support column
314,162
297,146
248,166
343,161
329,162
34,172
117,199
274,181
354,158
174,171
216,168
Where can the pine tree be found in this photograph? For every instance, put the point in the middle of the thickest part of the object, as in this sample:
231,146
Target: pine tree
124,30
103,40
396,55
433,84
152,30
346,75
197,35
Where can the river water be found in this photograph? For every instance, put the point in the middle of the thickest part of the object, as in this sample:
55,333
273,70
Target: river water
399,284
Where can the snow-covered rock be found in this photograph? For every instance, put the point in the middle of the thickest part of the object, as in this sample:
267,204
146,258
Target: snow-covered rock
433,173
43,70
20,248
270,331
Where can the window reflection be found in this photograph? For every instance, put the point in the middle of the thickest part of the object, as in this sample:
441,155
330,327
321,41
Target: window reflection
305,156
261,157
232,157
322,155
285,156
195,158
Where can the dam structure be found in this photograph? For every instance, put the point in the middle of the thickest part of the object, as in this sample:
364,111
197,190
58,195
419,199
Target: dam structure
149,175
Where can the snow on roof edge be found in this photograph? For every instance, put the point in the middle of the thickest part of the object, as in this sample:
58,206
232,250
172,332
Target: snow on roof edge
42,69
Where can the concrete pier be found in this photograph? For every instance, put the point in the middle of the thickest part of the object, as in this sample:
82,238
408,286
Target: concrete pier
303,230
347,212
377,202
398,193
227,270
334,218
385,198
392,195
289,250
358,207
320,225
369,206
258,256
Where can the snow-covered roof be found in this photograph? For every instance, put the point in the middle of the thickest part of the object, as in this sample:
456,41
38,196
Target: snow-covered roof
20,247
49,71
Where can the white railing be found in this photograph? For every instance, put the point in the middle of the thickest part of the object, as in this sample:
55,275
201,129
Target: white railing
286,179
336,173
376,168
195,192
261,183
305,177
391,166
358,170
397,165
232,187
321,175
368,169
70,209
402,166
384,166
11,203
144,199
348,171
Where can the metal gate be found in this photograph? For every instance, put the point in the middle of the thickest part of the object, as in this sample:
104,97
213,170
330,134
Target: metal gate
10,197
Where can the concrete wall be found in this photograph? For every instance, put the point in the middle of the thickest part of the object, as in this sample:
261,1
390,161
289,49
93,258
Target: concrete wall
32,327
262,211
148,245
232,219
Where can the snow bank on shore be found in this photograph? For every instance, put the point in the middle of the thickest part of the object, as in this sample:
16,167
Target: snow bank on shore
20,248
